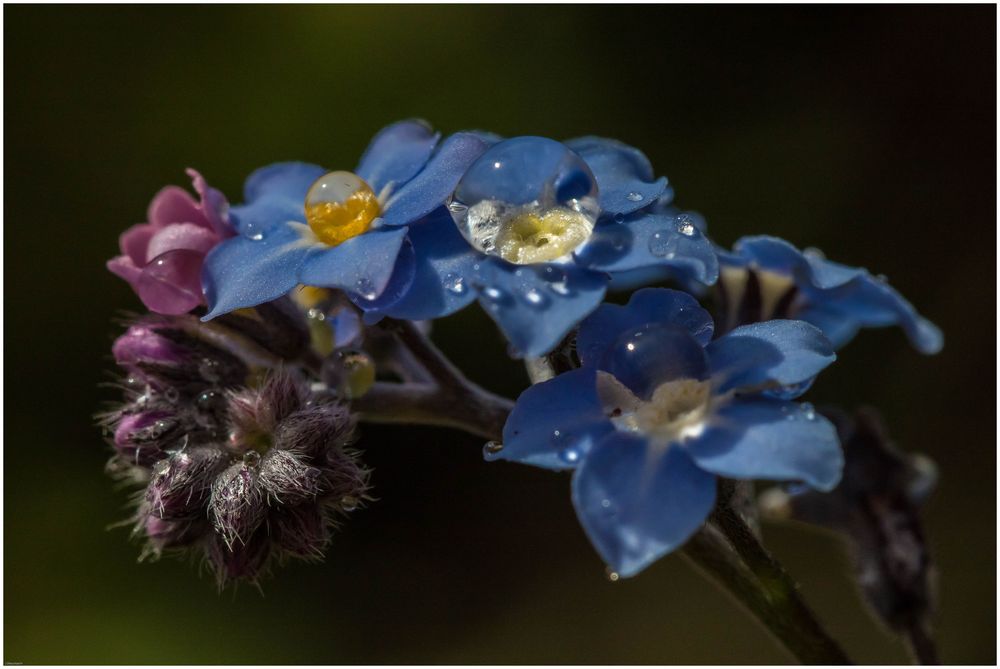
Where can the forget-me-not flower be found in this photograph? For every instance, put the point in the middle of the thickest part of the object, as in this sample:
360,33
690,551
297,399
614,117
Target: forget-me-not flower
658,410
766,277
301,224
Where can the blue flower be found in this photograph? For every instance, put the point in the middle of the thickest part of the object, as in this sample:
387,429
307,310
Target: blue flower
658,410
766,277
303,224
536,229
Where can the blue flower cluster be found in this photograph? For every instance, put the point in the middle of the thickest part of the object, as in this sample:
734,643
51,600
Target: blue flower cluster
661,398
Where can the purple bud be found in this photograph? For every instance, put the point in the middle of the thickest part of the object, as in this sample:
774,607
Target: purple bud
239,561
281,395
315,429
142,344
140,437
238,504
288,479
181,484
163,534
301,530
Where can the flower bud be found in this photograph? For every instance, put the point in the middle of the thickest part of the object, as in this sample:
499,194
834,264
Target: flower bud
315,429
288,479
301,531
141,437
239,561
237,506
182,483
165,534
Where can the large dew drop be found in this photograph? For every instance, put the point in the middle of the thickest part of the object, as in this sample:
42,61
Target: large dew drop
527,200
339,206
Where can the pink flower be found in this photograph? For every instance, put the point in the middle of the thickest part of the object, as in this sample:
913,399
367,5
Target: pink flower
162,259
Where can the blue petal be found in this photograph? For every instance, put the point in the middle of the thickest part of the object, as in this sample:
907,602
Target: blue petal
773,352
361,265
648,240
637,503
770,253
259,216
442,283
555,423
537,305
624,176
649,305
771,439
872,302
395,289
290,181
243,272
397,153
432,187
836,326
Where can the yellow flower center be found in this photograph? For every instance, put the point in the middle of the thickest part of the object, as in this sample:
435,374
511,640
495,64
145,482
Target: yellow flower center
533,237
339,206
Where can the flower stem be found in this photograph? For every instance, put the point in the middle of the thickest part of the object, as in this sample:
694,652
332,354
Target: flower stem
779,588
797,630
469,408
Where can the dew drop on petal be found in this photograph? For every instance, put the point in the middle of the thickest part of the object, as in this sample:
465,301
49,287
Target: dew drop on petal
455,284
662,243
535,298
611,575
634,197
527,200
339,206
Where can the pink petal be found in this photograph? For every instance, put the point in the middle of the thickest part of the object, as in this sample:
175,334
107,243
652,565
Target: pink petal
173,204
181,236
171,283
133,242
124,267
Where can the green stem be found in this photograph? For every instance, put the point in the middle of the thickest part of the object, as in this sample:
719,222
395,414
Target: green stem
799,634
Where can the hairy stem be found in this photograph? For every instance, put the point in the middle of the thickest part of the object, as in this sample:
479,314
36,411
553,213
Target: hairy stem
802,637
780,588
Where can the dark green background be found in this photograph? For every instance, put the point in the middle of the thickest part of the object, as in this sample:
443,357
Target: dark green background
867,132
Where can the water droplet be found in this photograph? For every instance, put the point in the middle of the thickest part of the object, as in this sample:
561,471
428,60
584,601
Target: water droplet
348,503
535,298
455,284
527,200
365,288
253,231
251,459
685,227
661,244
611,575
808,411
172,394
570,456
882,278
606,503
492,448
339,206
316,314
634,197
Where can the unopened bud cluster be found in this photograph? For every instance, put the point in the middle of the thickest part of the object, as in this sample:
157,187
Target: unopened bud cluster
241,465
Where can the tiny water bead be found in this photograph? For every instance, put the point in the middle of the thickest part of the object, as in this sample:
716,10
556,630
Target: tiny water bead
339,206
527,200
350,372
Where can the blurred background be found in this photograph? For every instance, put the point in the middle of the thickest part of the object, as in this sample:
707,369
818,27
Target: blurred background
868,132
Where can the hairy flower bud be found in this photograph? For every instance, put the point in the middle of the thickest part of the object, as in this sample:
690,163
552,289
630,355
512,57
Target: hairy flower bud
182,483
301,531
237,506
288,479
141,437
